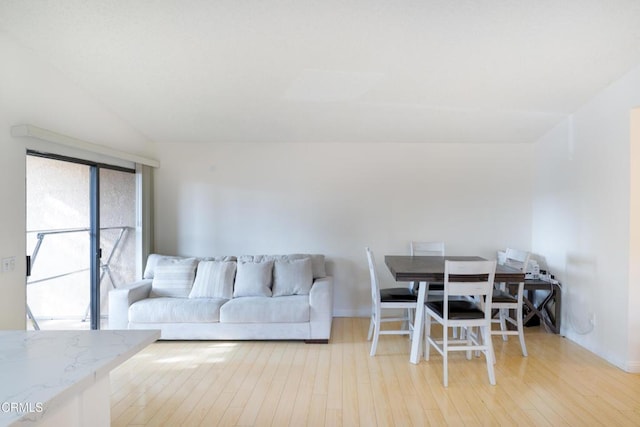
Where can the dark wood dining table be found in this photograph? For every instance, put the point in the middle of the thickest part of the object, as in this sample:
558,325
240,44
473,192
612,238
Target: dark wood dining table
429,269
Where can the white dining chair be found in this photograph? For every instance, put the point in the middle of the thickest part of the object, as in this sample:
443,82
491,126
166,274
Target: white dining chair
467,305
388,299
505,302
429,248
434,248
426,248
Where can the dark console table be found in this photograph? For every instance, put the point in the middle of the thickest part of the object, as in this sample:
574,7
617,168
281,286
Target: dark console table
547,310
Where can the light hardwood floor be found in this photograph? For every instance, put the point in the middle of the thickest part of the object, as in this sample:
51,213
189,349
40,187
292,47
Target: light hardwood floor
338,384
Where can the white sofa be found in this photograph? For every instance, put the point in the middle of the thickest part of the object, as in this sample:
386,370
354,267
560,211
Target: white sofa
251,297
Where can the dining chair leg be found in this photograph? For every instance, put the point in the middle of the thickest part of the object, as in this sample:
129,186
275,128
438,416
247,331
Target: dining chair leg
503,312
376,335
493,353
521,330
370,335
445,357
427,335
411,315
488,355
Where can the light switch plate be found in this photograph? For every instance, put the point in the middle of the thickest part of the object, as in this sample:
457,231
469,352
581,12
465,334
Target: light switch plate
8,264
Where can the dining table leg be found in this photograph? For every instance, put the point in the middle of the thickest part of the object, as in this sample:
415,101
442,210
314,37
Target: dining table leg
418,324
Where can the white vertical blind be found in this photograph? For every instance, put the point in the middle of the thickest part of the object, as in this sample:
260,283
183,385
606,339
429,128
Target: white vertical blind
144,216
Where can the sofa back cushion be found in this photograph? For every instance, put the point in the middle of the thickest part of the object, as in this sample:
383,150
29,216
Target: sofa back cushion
292,277
253,278
317,261
214,279
152,261
173,277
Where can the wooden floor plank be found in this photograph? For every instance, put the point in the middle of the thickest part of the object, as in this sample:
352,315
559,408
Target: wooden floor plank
288,383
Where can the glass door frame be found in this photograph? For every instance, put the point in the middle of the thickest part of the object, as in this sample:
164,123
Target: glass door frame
95,252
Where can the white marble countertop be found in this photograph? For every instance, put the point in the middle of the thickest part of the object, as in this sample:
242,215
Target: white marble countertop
41,369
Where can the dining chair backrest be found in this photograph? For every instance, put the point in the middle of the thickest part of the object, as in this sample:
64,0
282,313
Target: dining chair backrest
427,248
375,287
517,258
469,278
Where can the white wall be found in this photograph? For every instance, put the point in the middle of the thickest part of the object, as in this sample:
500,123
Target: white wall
338,198
581,220
633,350
35,93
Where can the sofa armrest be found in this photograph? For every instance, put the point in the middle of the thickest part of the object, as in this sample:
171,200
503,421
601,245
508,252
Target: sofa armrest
121,298
321,308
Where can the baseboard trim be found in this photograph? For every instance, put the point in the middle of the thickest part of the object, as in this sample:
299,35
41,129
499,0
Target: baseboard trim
633,367
352,313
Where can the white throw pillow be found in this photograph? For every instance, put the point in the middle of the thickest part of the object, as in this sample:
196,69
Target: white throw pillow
317,261
253,279
173,277
152,261
214,279
292,277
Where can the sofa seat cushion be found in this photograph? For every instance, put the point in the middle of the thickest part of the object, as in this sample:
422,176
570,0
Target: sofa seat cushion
176,310
286,309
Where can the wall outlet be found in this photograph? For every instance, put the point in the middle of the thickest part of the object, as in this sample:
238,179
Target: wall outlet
8,264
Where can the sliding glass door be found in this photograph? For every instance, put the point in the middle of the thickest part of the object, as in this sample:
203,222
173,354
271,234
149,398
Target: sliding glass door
80,239
117,204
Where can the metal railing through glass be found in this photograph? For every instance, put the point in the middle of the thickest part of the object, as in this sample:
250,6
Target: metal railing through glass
63,254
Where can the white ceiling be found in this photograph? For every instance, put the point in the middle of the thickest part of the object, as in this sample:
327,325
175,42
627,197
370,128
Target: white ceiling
334,70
